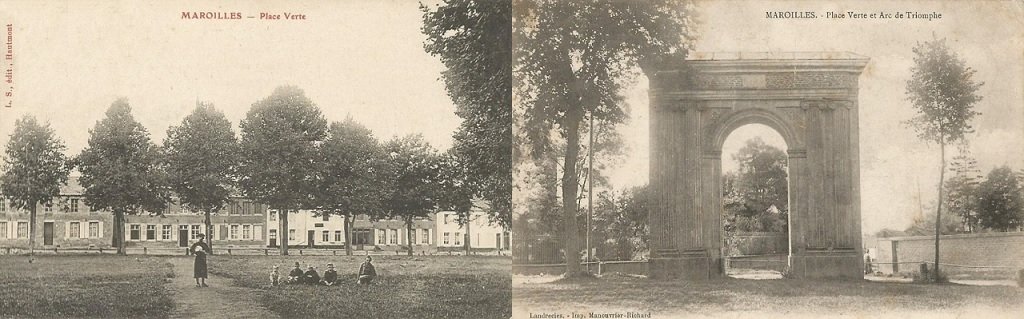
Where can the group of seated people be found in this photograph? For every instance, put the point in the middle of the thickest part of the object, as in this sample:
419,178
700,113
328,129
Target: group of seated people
330,277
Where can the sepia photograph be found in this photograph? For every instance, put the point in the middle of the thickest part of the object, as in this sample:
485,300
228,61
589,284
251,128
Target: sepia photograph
269,159
768,159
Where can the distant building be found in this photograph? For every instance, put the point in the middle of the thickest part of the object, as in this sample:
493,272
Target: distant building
481,233
305,229
67,222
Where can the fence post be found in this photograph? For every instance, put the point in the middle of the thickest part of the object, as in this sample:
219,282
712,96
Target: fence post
335,252
229,251
145,250
599,264
266,252
300,252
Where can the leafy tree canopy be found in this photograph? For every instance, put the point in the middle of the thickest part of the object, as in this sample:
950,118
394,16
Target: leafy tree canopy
1000,205
34,165
473,40
353,173
414,180
280,137
757,195
202,158
121,168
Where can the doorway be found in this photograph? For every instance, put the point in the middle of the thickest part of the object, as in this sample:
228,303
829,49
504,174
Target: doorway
310,236
48,233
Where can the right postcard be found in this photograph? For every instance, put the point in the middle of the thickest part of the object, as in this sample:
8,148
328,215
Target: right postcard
752,159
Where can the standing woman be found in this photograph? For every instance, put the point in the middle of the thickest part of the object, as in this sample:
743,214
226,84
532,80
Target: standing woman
199,270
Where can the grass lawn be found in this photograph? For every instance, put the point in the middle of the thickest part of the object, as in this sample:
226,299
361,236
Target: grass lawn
762,298
84,286
407,287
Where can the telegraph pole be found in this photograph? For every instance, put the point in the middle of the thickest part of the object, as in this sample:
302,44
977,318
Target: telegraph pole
590,186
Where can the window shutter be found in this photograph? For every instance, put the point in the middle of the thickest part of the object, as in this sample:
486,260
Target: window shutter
67,230
101,229
223,232
81,233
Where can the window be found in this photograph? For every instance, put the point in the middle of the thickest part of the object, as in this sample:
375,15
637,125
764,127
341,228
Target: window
338,236
48,207
327,217
150,232
94,229
381,236
446,237
233,235
135,229
22,230
507,241
394,237
412,237
291,234
446,219
3,230
195,232
273,215
327,236
75,230
246,232
74,205
457,239
273,234
426,237
165,232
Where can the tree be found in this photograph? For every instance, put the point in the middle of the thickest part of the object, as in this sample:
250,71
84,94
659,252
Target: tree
281,135
414,187
961,190
33,169
202,158
757,196
1000,202
621,220
456,192
943,92
473,40
353,172
572,59
122,170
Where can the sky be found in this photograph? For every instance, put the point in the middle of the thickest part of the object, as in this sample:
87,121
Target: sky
895,164
362,59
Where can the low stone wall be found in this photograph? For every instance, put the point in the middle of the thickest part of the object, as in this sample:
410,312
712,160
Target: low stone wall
985,252
629,267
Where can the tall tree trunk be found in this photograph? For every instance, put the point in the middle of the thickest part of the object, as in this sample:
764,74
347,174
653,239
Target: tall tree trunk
469,238
209,232
408,233
32,228
119,232
938,212
348,233
283,229
570,182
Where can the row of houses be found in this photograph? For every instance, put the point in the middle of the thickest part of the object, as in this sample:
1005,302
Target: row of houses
66,222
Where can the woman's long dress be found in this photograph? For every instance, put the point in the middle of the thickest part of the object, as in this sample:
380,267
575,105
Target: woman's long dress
199,271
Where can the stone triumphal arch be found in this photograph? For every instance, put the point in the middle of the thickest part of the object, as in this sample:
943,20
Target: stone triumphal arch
811,100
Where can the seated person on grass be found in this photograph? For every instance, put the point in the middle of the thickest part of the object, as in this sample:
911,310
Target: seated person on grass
367,272
330,276
295,276
311,277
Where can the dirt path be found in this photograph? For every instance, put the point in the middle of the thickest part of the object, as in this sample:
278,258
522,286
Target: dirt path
221,300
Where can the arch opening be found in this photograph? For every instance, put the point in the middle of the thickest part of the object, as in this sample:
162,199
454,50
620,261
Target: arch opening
754,202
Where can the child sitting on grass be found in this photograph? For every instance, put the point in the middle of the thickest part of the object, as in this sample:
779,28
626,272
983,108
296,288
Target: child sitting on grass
330,276
274,276
295,276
